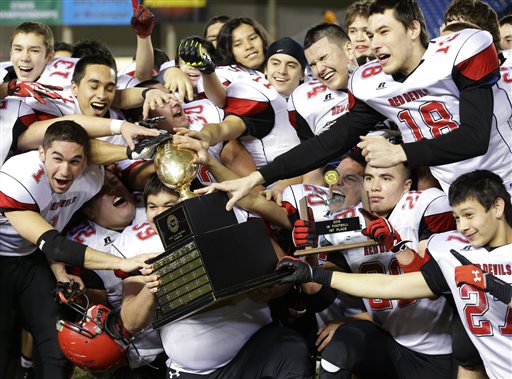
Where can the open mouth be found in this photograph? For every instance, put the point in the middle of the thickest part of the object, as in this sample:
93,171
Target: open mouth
61,183
328,76
383,58
177,112
251,56
98,107
119,201
281,80
25,69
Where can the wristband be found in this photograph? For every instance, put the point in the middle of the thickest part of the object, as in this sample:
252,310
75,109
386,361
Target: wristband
500,289
145,92
115,126
323,277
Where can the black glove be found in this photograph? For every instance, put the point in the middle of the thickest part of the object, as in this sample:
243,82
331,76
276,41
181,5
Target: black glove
194,54
146,147
303,272
151,122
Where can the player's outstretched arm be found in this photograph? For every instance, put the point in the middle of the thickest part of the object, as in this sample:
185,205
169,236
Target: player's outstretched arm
176,81
230,128
406,286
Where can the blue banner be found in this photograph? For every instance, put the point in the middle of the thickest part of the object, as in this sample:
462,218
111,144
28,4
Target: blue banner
96,12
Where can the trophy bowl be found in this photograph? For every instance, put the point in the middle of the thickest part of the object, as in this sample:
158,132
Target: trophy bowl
175,169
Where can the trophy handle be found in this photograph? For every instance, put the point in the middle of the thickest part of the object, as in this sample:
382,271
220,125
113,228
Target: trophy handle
186,193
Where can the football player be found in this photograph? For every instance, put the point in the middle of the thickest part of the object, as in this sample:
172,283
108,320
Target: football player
473,264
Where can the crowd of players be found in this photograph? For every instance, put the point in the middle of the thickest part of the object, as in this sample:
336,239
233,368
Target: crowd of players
422,126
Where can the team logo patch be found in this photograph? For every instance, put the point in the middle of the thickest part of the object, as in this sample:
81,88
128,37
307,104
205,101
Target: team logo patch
382,85
173,223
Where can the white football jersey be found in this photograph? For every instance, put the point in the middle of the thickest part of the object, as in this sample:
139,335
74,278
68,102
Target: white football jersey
24,186
264,111
422,325
188,343
487,320
314,104
15,118
426,103
59,72
229,74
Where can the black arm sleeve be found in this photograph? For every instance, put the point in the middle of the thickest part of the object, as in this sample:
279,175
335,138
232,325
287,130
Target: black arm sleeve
60,249
320,300
472,137
316,152
434,277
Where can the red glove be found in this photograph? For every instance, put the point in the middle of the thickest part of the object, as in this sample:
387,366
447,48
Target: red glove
143,20
33,89
304,232
472,275
380,230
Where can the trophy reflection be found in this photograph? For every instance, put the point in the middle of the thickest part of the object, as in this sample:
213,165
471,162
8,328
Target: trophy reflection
175,169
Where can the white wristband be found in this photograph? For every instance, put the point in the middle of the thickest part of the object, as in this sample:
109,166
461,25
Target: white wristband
115,126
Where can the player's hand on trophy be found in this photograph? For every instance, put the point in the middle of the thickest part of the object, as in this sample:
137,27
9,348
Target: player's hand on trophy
130,131
236,189
155,99
201,148
142,21
129,265
193,53
204,138
178,82
33,89
379,152
380,230
303,272
151,280
146,147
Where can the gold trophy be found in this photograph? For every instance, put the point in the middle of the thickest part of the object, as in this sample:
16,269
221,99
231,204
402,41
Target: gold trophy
175,169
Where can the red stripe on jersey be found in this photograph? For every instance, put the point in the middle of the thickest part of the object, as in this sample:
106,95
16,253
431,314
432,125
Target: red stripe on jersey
351,100
8,203
480,65
244,107
290,209
42,116
130,168
292,117
28,119
441,222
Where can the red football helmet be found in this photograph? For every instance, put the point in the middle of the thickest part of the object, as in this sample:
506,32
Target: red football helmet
97,342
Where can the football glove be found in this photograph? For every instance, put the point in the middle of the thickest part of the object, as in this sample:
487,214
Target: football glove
142,21
193,53
302,272
381,230
33,89
146,147
481,280
304,232
151,122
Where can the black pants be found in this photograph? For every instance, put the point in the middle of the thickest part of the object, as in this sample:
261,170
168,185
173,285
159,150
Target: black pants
364,349
25,286
272,352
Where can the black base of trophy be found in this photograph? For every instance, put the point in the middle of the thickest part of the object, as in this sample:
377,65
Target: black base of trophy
209,257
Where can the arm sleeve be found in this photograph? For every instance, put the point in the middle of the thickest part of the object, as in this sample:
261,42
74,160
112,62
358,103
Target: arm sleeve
340,138
434,276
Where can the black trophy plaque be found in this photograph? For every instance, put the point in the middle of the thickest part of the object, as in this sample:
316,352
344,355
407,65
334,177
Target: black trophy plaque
208,257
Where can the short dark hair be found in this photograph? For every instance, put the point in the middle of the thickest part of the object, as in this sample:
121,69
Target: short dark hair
506,20
154,186
334,33
214,20
86,47
483,186
160,57
82,64
225,39
458,26
357,9
68,131
63,46
37,28
405,12
476,12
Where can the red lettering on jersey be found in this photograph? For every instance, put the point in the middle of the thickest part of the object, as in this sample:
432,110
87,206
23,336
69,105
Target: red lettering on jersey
337,109
145,231
317,90
204,175
474,312
346,213
442,43
376,268
37,176
506,328
260,80
80,236
315,195
506,74
196,112
411,199
62,203
65,65
456,237
371,71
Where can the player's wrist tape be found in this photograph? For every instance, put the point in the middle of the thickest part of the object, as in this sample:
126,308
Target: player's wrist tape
500,289
322,276
115,126
60,249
